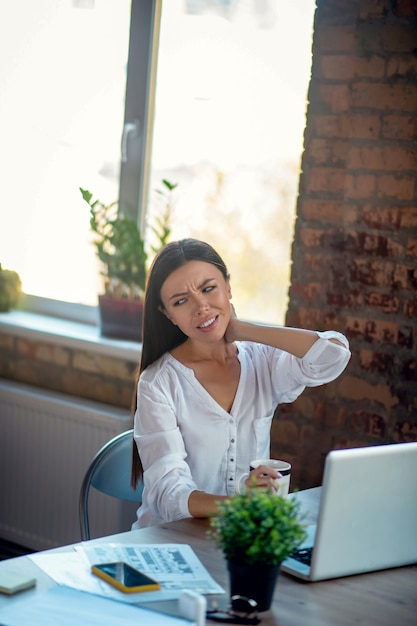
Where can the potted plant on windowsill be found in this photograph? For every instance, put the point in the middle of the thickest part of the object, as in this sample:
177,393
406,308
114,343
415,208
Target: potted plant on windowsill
10,289
121,250
256,531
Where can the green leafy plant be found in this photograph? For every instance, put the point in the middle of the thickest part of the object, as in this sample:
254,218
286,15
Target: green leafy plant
257,527
10,289
120,246
162,228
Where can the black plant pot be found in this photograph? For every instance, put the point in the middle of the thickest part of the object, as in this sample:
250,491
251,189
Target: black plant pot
253,581
120,318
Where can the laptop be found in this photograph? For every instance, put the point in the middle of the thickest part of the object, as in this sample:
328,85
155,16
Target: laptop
366,516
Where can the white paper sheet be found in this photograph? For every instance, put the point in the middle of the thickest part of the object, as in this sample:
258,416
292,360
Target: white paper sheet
175,566
66,607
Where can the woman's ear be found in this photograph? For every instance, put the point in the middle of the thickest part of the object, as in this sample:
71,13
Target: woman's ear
162,310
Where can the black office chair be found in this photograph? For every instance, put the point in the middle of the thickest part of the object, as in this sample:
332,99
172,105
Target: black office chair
109,473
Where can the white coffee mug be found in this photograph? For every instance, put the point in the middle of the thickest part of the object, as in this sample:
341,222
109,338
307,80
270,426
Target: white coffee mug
283,467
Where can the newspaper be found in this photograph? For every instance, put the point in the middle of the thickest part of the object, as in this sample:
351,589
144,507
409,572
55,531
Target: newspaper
174,566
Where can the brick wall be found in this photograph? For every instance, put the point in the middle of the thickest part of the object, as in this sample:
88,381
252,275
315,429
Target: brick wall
82,373
355,247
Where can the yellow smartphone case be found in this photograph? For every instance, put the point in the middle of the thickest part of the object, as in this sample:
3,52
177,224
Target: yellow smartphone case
154,586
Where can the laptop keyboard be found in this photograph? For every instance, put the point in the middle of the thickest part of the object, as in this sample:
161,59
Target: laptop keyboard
303,555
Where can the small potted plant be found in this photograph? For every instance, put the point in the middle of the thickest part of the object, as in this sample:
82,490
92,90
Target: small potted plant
10,289
121,250
256,531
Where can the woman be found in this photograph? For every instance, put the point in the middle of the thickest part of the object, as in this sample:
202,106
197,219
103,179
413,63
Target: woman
209,384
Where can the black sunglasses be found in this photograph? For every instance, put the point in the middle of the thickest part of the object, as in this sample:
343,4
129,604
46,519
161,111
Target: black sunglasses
241,610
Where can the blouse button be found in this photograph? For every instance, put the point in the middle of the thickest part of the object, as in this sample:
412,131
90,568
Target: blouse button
232,441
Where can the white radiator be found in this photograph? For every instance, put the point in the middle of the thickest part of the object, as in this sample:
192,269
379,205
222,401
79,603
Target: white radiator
46,443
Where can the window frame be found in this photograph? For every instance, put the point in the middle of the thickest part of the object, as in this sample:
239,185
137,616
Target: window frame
139,107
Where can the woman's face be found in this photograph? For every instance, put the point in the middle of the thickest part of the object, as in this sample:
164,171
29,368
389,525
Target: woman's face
196,297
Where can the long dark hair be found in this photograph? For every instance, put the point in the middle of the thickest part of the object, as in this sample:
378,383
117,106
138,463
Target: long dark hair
159,335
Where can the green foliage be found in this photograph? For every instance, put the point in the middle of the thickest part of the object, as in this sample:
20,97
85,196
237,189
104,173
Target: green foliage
257,527
162,229
120,246
10,289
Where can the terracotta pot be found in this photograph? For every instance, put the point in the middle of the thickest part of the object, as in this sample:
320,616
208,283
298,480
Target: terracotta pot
120,318
253,581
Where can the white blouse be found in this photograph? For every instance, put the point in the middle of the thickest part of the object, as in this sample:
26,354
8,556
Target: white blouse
188,442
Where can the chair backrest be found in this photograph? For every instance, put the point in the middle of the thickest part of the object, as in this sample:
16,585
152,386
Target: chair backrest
109,472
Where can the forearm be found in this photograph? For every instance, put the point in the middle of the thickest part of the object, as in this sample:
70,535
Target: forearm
201,504
296,341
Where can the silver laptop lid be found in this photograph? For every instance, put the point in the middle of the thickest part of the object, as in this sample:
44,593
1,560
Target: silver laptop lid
368,511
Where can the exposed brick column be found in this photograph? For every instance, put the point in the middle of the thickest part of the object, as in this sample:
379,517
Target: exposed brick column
355,246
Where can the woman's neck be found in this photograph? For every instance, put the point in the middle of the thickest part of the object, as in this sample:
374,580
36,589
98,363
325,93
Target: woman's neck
195,352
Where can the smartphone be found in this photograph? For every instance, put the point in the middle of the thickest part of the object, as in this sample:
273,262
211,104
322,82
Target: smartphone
125,577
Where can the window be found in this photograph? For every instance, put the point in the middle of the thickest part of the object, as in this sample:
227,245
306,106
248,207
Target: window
230,101
229,119
62,98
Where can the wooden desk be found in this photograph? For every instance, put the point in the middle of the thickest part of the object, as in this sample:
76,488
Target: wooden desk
386,598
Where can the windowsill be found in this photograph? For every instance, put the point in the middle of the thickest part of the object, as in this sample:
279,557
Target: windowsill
71,334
